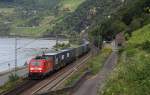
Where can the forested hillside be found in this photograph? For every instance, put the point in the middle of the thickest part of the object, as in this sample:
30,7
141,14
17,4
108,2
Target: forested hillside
88,13
33,17
131,16
49,17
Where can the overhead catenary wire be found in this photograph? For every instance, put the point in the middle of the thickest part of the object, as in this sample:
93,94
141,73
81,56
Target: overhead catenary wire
19,53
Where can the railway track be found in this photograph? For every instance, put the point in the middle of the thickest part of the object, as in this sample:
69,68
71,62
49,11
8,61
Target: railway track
19,89
32,87
54,83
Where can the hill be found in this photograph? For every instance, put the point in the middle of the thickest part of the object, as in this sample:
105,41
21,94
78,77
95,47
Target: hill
105,18
88,13
33,17
132,75
49,17
131,16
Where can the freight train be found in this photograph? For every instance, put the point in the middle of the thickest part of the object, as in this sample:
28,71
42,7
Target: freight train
43,65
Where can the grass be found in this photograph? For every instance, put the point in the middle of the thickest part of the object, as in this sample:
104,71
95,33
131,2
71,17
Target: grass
132,75
13,81
72,4
7,10
47,23
74,77
140,36
94,64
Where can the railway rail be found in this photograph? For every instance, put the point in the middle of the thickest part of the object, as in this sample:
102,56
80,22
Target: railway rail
32,87
53,84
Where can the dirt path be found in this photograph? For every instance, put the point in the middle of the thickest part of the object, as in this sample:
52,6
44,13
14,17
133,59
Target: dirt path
95,83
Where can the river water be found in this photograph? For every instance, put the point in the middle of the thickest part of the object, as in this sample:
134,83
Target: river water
25,49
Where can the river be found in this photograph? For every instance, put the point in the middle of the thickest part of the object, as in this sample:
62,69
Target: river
25,49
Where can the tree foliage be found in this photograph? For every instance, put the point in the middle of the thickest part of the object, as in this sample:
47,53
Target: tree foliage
131,15
4,29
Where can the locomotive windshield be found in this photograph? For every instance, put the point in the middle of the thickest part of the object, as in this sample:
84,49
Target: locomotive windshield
35,63
43,57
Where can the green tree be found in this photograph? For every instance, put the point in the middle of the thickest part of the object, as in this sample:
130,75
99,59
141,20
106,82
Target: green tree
118,26
4,29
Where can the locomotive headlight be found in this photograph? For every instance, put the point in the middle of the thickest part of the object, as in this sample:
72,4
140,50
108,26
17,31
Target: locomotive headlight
36,69
31,68
40,69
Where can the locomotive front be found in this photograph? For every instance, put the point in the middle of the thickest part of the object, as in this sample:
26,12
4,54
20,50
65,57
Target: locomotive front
40,67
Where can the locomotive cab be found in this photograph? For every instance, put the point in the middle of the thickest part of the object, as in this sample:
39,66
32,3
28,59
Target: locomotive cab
40,66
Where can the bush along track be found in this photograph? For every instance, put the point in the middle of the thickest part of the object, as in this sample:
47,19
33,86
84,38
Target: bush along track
97,62
13,81
132,75
94,64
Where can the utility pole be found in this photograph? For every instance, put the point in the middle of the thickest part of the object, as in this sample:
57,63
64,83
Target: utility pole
100,37
9,67
56,40
15,53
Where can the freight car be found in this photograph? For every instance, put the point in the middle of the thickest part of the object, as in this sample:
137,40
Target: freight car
43,65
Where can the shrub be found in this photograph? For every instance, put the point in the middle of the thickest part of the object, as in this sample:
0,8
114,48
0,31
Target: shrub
13,77
146,46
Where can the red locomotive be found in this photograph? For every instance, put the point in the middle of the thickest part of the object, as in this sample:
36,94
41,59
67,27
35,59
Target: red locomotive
40,66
